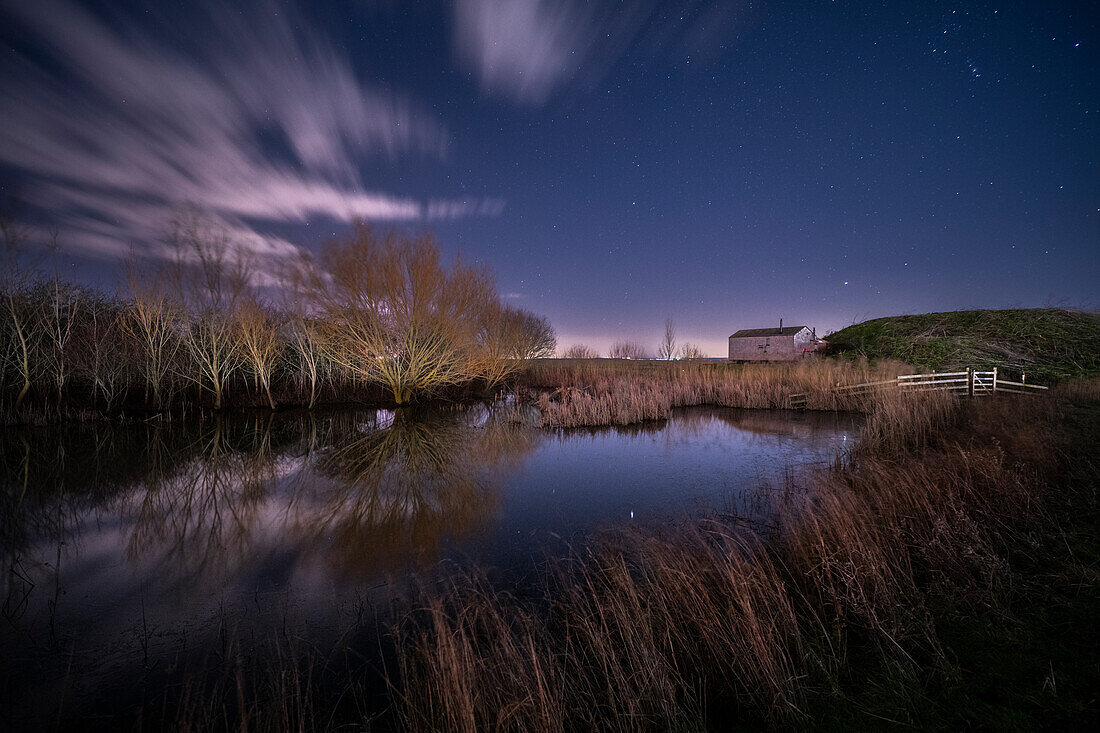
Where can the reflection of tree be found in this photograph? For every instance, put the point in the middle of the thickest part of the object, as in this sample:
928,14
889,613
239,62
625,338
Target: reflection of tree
633,430
204,511
503,434
50,476
779,424
54,482
200,499
401,489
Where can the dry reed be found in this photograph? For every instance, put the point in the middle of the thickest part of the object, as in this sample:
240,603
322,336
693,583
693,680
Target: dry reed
622,392
691,628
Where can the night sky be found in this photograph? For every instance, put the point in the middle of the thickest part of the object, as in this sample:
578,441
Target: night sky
724,164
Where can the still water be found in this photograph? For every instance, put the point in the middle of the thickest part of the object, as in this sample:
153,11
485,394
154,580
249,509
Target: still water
120,544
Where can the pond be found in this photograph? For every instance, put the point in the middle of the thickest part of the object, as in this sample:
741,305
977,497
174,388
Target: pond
123,546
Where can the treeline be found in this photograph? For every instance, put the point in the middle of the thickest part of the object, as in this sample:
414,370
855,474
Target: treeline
668,349
376,316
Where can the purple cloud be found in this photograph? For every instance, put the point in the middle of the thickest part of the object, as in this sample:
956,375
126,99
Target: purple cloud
261,120
522,49
528,50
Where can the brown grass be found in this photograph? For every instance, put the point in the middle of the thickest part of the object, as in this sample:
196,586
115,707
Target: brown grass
694,627
283,685
608,392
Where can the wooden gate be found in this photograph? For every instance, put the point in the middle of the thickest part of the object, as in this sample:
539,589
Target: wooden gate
971,382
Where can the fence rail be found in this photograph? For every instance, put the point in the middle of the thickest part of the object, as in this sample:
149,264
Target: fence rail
971,382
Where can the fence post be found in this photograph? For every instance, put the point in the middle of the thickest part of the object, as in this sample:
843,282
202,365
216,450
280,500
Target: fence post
994,380
970,381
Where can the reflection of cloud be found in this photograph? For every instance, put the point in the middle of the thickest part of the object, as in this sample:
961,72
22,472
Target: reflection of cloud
249,115
526,50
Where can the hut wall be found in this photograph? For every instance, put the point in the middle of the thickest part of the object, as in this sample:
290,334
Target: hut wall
787,347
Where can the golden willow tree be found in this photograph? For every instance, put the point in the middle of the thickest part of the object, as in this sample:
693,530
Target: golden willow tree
506,336
378,309
390,312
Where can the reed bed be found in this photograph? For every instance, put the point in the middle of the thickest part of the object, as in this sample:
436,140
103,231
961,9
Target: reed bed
280,684
710,623
612,392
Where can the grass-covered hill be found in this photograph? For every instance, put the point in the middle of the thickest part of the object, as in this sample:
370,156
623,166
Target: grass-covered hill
1047,344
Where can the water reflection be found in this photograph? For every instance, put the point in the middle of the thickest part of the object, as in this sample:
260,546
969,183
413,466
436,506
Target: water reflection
397,492
189,519
187,511
124,544
799,425
274,499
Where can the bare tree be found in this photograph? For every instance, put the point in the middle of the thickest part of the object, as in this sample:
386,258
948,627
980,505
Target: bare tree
210,276
257,331
18,316
689,350
627,350
539,339
377,309
152,321
102,355
394,314
61,308
499,343
667,349
507,337
579,351
304,345
302,331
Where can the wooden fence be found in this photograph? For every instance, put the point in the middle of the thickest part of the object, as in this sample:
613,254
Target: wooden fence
971,382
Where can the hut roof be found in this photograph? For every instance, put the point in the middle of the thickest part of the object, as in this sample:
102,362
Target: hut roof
785,331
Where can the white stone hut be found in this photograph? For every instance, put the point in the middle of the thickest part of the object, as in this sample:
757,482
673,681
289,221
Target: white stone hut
773,344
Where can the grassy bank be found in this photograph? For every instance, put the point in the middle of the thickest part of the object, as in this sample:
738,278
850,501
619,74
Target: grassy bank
891,594
1045,343
575,393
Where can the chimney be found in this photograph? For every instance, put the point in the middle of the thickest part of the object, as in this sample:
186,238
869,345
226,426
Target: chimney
780,326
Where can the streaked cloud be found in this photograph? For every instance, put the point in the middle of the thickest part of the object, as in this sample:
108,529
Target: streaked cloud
528,49
522,49
456,209
252,116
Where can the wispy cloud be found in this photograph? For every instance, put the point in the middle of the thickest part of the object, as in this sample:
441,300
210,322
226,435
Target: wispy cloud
526,50
522,49
455,209
252,116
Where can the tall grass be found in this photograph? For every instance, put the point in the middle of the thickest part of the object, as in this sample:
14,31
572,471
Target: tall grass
708,622
281,684
606,392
